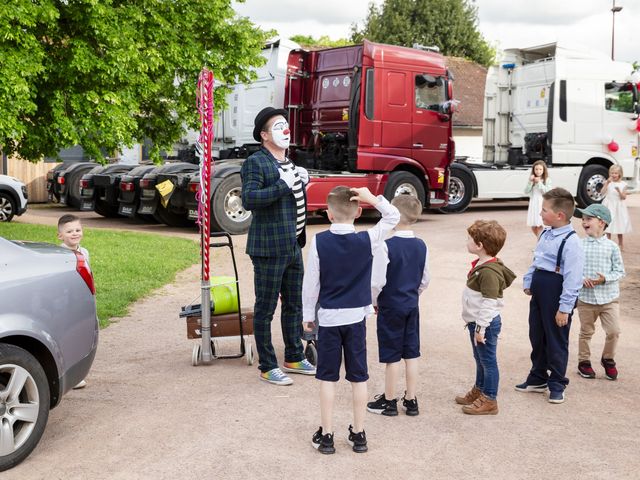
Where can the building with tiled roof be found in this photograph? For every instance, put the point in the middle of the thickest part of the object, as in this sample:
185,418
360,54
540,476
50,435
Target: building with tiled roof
468,89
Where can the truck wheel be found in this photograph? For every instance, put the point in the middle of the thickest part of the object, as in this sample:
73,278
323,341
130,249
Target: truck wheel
173,219
460,191
24,404
73,188
590,185
404,183
227,212
7,207
103,208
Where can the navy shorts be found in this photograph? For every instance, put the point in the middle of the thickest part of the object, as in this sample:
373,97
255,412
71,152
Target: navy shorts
332,342
398,334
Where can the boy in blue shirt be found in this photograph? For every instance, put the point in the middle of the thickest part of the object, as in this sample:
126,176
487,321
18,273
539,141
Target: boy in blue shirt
403,266
553,281
603,269
338,277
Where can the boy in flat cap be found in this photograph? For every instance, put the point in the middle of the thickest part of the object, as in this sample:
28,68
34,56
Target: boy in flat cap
273,188
598,297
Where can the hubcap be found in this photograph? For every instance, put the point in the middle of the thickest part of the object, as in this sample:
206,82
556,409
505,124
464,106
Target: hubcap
456,190
406,189
5,209
20,403
594,187
233,206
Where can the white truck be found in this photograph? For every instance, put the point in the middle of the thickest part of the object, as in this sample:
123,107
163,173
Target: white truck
577,112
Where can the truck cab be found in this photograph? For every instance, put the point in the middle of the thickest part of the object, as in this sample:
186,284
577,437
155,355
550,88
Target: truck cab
371,115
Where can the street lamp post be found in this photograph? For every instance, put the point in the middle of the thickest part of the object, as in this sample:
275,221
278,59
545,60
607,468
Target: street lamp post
614,10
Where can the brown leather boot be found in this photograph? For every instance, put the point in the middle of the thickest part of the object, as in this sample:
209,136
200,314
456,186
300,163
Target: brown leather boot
470,396
482,406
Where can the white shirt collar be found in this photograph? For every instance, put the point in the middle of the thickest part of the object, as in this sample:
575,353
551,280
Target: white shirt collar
404,234
342,228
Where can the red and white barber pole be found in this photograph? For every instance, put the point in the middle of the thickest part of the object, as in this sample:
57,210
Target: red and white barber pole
203,148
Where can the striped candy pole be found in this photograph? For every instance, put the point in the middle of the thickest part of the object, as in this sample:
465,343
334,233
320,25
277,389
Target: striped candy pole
205,110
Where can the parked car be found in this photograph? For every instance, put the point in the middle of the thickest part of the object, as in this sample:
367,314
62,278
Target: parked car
48,338
99,188
13,198
129,196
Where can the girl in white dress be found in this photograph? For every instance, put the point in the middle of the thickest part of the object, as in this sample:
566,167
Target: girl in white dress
615,191
539,183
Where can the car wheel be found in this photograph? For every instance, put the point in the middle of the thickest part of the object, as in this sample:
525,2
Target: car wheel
24,404
7,207
227,212
404,183
590,185
460,192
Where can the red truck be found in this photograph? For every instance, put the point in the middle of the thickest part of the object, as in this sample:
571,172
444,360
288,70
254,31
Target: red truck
366,115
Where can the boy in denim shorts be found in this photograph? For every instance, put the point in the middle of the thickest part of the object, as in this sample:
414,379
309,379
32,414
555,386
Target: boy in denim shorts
338,277
403,264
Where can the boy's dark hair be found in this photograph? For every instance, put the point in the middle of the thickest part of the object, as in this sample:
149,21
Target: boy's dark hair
68,218
410,208
339,200
490,233
561,201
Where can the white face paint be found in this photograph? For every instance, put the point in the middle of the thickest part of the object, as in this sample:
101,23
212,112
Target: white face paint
281,133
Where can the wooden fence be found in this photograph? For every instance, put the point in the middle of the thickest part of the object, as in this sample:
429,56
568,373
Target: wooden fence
34,176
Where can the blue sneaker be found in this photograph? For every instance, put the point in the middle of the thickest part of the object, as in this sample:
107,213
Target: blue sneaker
525,387
276,377
303,367
556,397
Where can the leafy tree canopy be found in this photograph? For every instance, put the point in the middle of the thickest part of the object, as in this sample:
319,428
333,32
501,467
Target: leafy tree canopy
451,25
324,41
108,73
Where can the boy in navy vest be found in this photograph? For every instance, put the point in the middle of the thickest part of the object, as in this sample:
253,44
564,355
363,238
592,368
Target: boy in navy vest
553,281
403,264
338,277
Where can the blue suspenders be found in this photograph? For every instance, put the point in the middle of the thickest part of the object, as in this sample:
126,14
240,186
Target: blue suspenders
564,240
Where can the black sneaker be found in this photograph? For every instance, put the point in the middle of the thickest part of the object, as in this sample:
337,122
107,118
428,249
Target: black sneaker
323,443
411,406
357,440
382,406
610,370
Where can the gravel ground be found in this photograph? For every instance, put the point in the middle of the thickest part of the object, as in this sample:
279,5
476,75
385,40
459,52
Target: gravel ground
147,413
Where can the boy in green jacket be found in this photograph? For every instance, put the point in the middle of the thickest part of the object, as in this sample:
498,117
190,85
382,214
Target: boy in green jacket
482,301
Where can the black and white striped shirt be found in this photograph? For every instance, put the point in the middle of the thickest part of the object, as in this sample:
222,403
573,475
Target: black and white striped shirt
301,216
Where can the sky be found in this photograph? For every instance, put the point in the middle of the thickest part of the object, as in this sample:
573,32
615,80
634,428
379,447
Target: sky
585,24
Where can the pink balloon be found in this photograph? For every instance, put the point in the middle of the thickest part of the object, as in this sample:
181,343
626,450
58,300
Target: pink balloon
613,146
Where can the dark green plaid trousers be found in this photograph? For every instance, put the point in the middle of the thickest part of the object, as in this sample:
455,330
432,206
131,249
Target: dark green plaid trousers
274,277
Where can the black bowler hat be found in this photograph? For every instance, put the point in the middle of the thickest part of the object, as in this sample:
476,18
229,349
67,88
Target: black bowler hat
263,117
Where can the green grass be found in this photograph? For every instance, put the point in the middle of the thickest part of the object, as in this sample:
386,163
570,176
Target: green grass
126,265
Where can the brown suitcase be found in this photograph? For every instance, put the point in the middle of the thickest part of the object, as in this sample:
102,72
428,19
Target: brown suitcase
225,325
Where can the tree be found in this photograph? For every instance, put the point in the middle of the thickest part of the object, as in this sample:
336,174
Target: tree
451,25
108,73
324,41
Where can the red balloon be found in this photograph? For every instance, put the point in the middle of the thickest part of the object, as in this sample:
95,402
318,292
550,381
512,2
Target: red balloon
613,146
638,125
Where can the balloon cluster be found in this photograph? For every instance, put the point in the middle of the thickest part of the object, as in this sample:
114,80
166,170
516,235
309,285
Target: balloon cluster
612,145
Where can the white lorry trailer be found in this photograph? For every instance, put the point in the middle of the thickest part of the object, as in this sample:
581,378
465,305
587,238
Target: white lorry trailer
577,112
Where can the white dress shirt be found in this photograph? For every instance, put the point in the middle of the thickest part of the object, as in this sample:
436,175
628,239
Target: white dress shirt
334,317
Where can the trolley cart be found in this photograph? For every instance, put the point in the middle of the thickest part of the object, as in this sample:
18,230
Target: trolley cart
238,324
